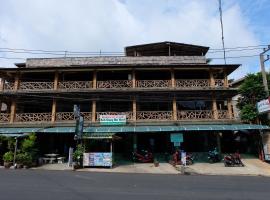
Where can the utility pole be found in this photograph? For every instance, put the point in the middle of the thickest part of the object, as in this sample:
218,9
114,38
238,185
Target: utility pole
262,60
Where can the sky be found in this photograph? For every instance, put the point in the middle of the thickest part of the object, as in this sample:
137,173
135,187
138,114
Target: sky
110,25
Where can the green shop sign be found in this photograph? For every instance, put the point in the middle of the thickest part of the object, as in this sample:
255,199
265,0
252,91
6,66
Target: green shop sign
113,119
177,137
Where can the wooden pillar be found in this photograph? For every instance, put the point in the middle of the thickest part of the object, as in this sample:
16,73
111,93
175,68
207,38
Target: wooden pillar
17,82
225,79
94,107
174,109
173,78
134,109
214,108
56,79
13,111
212,80
2,83
54,110
133,79
95,79
229,105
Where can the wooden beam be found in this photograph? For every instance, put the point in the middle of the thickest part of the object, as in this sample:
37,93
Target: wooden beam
225,79
174,109
95,79
229,105
214,108
56,79
134,109
54,110
133,79
212,80
94,107
13,111
173,78
17,82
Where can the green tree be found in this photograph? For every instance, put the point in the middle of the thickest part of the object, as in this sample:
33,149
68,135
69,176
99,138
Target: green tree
251,91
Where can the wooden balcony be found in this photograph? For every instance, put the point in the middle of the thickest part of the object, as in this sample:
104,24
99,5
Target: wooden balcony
109,84
114,84
147,116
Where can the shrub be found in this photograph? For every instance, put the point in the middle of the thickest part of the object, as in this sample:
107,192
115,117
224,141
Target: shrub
78,153
8,156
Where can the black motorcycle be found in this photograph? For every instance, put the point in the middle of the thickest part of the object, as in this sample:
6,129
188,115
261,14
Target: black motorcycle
214,156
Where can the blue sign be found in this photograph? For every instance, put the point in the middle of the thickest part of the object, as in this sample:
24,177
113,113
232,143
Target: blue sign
177,137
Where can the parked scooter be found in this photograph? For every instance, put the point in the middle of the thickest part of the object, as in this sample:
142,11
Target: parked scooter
233,160
143,157
190,158
214,156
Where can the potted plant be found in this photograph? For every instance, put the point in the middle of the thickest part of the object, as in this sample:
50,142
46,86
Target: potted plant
27,160
156,163
8,159
19,160
77,156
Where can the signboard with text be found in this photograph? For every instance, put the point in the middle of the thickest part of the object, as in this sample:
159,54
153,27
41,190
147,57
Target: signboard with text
97,159
177,137
263,106
113,119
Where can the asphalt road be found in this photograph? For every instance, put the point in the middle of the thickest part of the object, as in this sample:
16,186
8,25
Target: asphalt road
41,185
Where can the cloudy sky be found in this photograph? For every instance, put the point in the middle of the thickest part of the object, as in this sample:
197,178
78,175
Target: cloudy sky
109,25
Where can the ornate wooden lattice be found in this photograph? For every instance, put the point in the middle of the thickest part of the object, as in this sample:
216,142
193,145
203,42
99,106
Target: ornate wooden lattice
36,86
71,85
192,83
87,116
219,83
65,116
4,117
114,84
223,114
9,86
154,115
33,117
195,114
128,114
153,83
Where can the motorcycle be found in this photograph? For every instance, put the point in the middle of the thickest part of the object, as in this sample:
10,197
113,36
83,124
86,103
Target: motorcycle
143,157
190,159
214,156
232,160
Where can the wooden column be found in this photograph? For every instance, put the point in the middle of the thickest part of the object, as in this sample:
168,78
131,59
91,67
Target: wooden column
54,110
225,79
56,79
173,78
95,79
2,82
212,80
174,109
94,107
17,82
214,108
134,109
13,111
133,79
229,105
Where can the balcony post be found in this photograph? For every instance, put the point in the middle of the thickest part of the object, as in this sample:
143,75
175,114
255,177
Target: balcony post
174,109
2,83
13,111
56,78
95,79
134,109
133,79
173,78
94,106
53,111
212,80
225,79
17,82
214,108
229,105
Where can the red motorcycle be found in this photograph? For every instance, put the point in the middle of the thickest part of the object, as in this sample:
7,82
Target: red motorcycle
233,160
143,157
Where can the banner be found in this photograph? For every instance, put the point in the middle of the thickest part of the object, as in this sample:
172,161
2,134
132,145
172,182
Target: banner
113,119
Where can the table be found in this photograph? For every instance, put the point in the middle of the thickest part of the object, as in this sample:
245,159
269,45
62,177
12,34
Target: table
50,157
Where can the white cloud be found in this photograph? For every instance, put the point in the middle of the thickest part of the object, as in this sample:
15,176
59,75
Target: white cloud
109,25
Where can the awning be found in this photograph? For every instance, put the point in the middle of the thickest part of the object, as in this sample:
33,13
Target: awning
14,135
18,130
99,136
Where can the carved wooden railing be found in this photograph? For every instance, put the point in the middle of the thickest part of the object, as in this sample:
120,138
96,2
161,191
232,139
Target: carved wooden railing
4,117
195,114
114,84
223,114
9,86
36,86
87,116
192,83
219,83
154,115
153,83
128,114
33,117
69,116
73,85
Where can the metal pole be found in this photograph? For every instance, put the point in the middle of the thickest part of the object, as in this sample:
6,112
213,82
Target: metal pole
264,75
15,151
